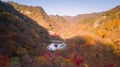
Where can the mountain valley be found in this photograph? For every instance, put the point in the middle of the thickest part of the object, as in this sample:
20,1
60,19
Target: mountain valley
91,40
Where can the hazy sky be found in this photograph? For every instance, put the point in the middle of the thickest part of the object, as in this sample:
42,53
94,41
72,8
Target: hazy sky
71,7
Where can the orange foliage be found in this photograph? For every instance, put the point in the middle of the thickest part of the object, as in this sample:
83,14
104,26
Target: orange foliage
90,40
42,58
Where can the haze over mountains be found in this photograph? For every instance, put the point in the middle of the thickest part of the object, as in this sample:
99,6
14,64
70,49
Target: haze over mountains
25,32
58,24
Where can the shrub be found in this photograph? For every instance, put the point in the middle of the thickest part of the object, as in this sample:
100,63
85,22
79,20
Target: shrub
14,59
4,61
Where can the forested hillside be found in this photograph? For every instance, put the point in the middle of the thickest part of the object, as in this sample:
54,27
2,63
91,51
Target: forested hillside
19,37
91,40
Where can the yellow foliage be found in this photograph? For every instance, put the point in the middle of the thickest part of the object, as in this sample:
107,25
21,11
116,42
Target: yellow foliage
100,32
90,40
89,37
106,35
114,48
68,60
111,29
86,65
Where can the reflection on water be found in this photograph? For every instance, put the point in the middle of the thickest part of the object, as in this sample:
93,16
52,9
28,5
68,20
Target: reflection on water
56,44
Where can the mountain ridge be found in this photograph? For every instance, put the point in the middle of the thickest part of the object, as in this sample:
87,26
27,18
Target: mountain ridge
26,31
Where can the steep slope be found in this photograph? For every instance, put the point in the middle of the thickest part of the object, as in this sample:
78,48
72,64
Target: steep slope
100,43
55,24
81,25
36,13
61,22
110,15
87,23
109,29
19,37
81,17
113,13
109,24
23,41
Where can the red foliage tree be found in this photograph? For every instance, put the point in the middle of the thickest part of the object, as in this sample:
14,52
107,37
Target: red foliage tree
58,54
111,65
49,53
77,60
4,61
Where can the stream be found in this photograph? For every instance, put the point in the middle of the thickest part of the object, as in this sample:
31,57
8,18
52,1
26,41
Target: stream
56,45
